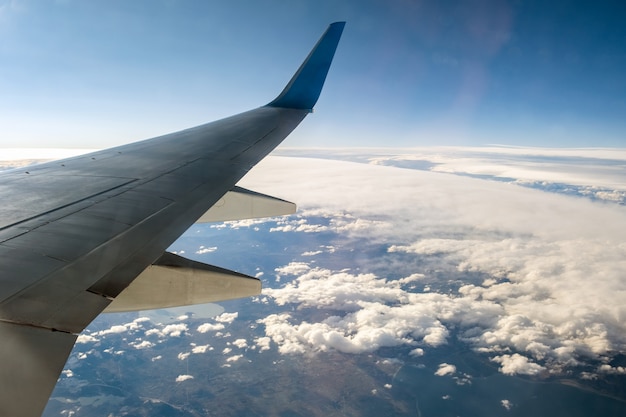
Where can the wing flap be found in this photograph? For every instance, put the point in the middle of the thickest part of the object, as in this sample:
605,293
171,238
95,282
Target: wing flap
175,281
241,204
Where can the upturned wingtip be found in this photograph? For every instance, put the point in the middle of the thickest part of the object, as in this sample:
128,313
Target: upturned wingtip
304,88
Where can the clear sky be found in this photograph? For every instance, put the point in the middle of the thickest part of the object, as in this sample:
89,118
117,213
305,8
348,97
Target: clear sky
93,74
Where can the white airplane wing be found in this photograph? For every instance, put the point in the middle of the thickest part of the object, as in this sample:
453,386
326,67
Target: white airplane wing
80,235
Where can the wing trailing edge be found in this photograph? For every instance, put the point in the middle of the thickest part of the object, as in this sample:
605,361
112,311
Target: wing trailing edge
174,281
305,86
241,204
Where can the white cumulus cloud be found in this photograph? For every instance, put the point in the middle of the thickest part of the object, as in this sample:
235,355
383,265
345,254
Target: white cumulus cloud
209,327
445,369
240,343
551,293
85,338
517,364
227,317
201,349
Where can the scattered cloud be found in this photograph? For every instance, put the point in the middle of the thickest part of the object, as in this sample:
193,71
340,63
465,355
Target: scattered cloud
202,250
293,268
263,343
417,352
181,378
517,364
241,343
340,290
145,344
506,404
615,370
201,349
133,326
210,327
445,369
537,276
174,330
227,317
86,338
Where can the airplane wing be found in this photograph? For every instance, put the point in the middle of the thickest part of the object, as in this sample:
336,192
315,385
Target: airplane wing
83,234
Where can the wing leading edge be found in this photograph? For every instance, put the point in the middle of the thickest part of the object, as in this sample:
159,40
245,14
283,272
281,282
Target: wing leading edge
108,216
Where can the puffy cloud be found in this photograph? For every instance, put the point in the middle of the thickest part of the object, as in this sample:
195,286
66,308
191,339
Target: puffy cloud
300,226
202,250
234,358
238,224
174,330
181,378
445,369
551,265
263,343
506,404
145,344
171,330
517,364
341,290
293,268
208,327
183,355
615,370
241,343
227,317
201,349
339,223
85,338
373,326
417,352
411,278
131,327
118,328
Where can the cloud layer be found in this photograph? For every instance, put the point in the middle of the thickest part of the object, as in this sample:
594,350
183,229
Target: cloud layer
552,267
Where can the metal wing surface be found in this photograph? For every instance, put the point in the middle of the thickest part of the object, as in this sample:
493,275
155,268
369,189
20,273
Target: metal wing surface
75,233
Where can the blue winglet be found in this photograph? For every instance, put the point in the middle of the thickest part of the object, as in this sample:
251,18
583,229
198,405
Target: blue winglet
305,86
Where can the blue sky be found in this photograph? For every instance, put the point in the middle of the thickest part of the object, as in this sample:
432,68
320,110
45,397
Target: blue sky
528,73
